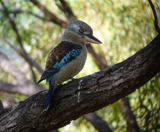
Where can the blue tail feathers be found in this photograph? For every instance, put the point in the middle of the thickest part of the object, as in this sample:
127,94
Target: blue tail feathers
50,94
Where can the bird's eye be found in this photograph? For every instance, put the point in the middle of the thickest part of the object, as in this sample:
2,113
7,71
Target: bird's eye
81,30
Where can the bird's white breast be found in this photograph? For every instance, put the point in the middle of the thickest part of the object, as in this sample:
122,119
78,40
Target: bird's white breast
72,68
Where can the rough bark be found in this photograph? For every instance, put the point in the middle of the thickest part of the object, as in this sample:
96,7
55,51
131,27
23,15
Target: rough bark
84,95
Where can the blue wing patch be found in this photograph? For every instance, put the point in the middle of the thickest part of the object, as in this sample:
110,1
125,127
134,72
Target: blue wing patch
70,56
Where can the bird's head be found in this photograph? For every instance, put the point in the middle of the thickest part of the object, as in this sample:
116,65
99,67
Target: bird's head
79,32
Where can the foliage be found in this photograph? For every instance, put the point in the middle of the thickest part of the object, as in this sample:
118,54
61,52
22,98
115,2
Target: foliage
124,28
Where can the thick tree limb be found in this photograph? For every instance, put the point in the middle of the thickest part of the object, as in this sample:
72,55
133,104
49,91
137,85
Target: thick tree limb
84,95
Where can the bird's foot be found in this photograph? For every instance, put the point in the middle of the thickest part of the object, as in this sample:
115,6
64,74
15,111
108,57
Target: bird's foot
45,109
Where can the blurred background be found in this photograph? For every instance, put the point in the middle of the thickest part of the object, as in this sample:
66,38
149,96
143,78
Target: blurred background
30,29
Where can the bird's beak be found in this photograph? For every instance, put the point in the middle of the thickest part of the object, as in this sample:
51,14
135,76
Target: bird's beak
91,39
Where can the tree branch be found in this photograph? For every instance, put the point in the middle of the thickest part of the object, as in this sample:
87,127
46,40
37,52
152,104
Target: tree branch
17,11
96,58
53,18
155,16
23,52
84,95
64,7
132,125
28,89
33,74
25,56
158,7
10,68
97,122
13,24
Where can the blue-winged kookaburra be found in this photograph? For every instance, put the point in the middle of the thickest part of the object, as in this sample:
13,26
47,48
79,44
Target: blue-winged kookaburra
68,57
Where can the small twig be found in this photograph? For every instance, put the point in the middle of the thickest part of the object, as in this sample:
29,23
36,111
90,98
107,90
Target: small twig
155,16
14,48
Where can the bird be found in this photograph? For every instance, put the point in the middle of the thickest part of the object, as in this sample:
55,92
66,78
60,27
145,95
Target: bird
67,59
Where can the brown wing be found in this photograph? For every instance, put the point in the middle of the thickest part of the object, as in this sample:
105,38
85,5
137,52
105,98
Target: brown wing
55,56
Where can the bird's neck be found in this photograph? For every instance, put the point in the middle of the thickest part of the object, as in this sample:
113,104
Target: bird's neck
74,42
